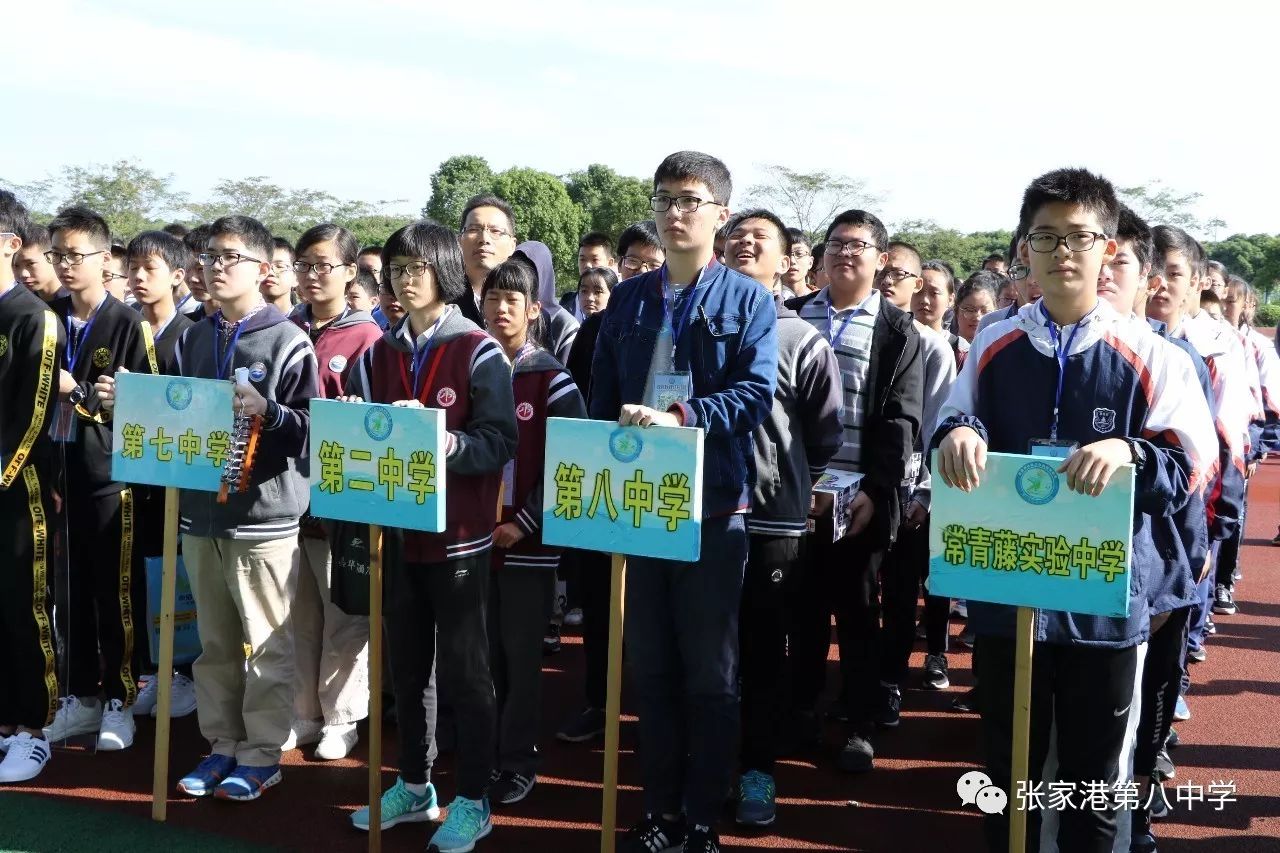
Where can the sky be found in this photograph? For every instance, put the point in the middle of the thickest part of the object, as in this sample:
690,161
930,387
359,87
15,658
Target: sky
946,110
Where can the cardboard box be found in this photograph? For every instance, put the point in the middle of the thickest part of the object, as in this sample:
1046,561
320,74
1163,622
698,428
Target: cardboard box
832,504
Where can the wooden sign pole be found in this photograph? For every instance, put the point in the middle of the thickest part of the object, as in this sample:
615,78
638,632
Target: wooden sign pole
375,688
612,705
1024,644
164,677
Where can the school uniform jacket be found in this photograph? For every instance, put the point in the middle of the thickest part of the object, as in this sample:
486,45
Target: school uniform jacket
542,389
468,377
1120,382
339,346
118,338
32,341
1259,349
167,342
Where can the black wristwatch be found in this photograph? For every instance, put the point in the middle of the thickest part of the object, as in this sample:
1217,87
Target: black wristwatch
1138,453
77,395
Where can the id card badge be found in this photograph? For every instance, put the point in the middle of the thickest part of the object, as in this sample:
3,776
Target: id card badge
508,482
671,388
63,427
1053,448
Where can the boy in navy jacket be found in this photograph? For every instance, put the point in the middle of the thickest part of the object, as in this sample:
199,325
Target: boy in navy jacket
1121,401
690,344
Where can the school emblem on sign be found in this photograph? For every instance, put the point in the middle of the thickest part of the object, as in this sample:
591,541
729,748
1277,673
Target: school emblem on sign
524,411
625,445
377,424
4,344
446,397
1037,483
338,363
1104,420
101,357
178,394
257,371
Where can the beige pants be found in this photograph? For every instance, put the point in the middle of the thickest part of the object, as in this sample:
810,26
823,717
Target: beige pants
242,590
331,648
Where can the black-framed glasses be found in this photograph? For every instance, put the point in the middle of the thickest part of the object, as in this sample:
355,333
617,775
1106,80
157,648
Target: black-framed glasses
478,231
1006,301
640,264
414,269
1018,272
975,311
227,259
1046,242
798,254
855,247
280,267
322,268
73,259
683,203
107,275
897,274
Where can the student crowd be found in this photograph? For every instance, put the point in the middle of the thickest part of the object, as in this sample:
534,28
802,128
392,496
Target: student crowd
1099,340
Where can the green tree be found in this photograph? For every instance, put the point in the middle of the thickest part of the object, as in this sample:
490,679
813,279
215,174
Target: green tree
964,252
289,212
455,181
808,200
544,212
609,201
128,195
1161,205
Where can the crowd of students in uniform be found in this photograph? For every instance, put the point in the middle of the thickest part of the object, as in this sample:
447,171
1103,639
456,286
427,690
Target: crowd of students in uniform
853,354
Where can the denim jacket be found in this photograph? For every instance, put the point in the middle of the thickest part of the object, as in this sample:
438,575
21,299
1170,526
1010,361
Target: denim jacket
729,345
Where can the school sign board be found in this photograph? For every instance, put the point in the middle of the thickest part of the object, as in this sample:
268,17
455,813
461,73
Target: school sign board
1023,538
378,464
623,490
171,431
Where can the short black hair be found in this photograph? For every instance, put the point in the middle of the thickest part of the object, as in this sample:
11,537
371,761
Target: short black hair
84,221
197,238
943,267
1012,257
784,234
995,256
161,244
1201,268
342,239
368,282
607,277
799,238
865,219
280,244
489,200
429,241
1220,268
645,233
253,234
988,280
1132,228
904,246
34,235
518,275
1208,297
375,249
1071,186
596,240
119,252
14,218
176,229
686,165
819,249
1171,238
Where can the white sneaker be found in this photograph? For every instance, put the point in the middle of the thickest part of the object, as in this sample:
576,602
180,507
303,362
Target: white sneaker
336,741
145,704
73,718
182,696
117,727
26,757
301,733
574,617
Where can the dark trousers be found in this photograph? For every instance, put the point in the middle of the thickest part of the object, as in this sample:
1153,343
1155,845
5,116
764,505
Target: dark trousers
435,622
1229,553
29,696
596,578
100,616
520,602
1161,682
904,568
762,644
1080,688
682,641
839,578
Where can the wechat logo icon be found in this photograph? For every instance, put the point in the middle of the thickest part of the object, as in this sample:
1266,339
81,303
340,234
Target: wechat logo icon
975,789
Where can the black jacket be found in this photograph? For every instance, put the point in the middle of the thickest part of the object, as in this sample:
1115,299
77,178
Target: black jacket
467,305
893,419
32,341
584,347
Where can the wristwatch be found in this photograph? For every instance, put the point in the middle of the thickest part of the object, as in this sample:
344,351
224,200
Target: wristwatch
77,395
1137,452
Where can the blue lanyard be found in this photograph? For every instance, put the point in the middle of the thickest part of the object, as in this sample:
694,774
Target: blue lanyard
420,357
1062,354
71,355
223,363
832,335
678,328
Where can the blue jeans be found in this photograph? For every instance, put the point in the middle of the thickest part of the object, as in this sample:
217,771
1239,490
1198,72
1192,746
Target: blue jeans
682,642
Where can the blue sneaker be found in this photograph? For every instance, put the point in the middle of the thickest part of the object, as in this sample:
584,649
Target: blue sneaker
247,783
757,799
400,805
467,822
1181,710
208,773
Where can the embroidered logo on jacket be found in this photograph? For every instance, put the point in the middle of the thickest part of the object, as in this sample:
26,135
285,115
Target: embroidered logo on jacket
1104,420
101,357
446,397
524,411
4,344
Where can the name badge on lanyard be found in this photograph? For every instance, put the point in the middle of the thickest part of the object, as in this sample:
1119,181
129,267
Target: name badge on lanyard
63,429
1052,447
671,387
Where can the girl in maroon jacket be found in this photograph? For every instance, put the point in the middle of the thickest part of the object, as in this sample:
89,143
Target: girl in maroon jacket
524,569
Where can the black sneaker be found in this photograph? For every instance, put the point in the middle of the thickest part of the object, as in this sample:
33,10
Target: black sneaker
702,839
582,726
1172,740
1198,655
654,834
551,640
857,756
1164,766
1209,626
966,702
510,787
1276,541
1159,802
1224,603
889,710
935,672
1141,840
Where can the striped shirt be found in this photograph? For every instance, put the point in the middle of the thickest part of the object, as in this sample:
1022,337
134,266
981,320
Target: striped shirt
849,332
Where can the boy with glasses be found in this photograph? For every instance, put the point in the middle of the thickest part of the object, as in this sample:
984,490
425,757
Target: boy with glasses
33,268
796,278
280,285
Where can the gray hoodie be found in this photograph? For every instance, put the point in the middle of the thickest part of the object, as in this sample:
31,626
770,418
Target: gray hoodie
559,327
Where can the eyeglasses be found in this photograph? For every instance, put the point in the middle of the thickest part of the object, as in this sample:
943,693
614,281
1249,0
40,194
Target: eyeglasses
683,203
322,268
227,259
1045,242
1018,272
281,268
896,274
971,311
412,270
112,276
801,253
475,232
855,247
640,264
73,259
1006,301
